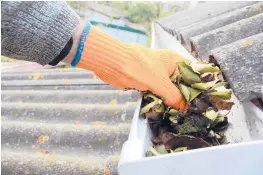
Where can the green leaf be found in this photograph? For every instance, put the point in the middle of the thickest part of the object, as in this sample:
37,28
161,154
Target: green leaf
180,149
161,149
176,77
173,119
219,84
185,92
154,152
158,101
193,93
189,93
211,114
204,86
222,94
188,75
204,67
173,112
209,85
159,109
147,108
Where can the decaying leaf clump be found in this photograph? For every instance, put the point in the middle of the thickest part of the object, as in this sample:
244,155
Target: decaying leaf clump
203,124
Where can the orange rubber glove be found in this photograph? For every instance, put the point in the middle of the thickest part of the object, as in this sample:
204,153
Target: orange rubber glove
128,66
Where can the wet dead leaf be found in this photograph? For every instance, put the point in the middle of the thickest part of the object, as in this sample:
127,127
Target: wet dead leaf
167,136
186,141
224,105
113,102
194,124
156,140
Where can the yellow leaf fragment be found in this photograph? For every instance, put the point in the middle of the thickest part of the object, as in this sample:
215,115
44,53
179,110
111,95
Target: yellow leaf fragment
113,102
42,139
98,123
37,75
257,7
246,44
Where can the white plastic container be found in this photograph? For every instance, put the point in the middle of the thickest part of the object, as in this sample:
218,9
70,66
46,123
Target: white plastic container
243,156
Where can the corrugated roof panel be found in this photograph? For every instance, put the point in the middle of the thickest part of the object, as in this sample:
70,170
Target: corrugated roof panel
201,44
244,56
216,22
62,121
223,29
204,10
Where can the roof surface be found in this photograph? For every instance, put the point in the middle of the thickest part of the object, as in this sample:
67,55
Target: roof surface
62,121
228,34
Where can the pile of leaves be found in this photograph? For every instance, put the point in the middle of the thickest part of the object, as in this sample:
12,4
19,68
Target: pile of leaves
203,124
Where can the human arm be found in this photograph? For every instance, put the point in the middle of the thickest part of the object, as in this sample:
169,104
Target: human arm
39,31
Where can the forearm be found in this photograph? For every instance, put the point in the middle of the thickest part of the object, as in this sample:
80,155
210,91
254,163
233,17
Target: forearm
76,38
38,31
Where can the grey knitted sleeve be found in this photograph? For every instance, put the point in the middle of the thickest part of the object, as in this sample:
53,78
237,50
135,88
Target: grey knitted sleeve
36,31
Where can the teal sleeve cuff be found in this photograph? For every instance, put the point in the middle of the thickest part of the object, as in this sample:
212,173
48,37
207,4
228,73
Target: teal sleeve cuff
81,44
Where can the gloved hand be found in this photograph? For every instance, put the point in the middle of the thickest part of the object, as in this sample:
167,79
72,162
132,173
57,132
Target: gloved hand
128,66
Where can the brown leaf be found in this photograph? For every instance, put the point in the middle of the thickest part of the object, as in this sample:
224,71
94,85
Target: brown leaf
155,112
186,141
156,140
167,136
224,105
163,130
206,77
